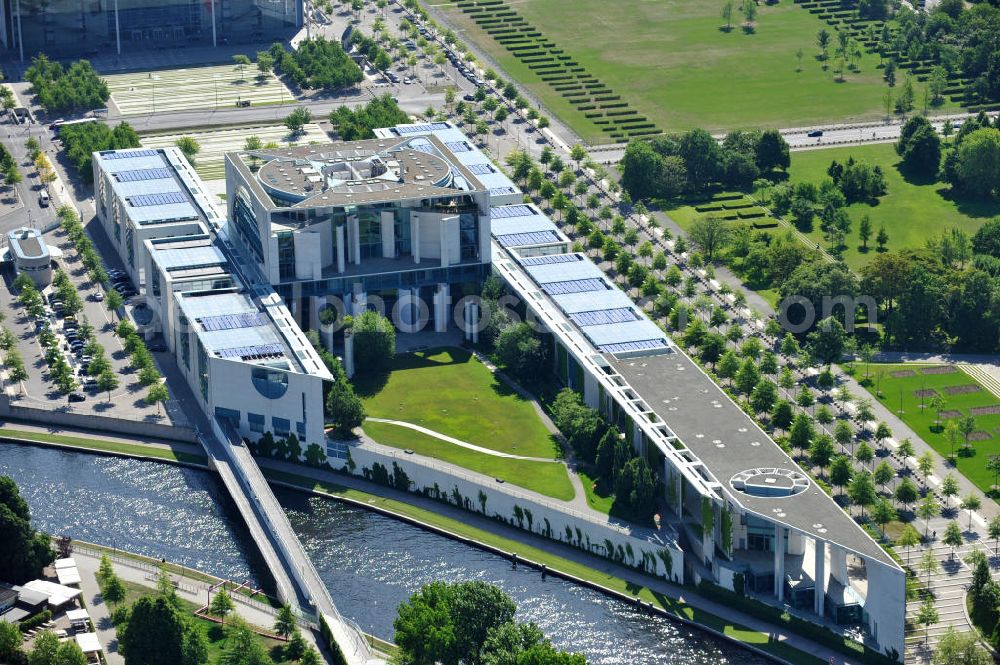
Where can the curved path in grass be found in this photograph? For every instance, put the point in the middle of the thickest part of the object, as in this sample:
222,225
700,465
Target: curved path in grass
458,442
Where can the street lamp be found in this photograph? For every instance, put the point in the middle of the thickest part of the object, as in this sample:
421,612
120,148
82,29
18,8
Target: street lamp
215,80
154,78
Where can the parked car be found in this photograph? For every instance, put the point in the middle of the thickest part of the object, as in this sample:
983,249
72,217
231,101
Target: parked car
157,347
815,133
77,397
43,198
469,98
97,296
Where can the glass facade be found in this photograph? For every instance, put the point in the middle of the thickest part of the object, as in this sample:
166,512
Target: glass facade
286,255
370,232
95,26
246,223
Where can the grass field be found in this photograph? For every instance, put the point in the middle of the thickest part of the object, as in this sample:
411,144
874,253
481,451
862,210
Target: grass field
452,393
219,86
911,211
210,161
958,402
449,391
548,478
671,61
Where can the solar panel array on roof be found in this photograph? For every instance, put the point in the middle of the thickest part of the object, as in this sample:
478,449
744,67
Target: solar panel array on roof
481,169
574,286
420,129
603,316
550,258
503,212
143,200
126,154
523,239
500,191
258,352
143,174
233,321
643,345
425,147
458,146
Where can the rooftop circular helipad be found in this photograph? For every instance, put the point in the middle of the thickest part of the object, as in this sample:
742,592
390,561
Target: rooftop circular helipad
769,482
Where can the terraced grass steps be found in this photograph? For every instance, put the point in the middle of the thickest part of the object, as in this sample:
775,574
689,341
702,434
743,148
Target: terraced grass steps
585,93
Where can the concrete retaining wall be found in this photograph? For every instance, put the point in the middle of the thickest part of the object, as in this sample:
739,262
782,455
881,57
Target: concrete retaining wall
641,548
95,422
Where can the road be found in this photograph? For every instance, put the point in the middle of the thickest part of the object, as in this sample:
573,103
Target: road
834,136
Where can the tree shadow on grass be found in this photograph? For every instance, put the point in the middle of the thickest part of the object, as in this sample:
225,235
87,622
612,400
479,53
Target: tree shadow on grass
971,207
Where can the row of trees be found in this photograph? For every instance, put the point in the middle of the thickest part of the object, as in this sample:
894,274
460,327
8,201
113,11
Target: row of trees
610,454
47,649
77,88
82,140
317,64
142,362
693,162
471,623
8,167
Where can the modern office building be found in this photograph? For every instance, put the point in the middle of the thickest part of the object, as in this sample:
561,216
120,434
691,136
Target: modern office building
64,28
142,194
773,532
30,255
419,211
397,217
246,360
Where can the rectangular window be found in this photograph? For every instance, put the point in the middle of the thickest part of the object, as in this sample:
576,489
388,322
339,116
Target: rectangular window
256,422
281,426
203,370
232,415
185,344
300,429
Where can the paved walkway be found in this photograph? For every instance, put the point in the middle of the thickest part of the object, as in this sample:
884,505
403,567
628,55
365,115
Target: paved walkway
634,578
458,442
100,614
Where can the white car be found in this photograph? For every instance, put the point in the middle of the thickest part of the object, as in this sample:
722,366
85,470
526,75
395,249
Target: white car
97,297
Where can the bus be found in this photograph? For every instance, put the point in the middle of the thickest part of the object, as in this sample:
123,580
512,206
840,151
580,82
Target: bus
58,124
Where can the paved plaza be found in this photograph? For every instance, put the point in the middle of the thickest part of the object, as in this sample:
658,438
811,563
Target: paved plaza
194,88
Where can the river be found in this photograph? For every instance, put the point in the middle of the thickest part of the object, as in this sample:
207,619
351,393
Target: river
369,562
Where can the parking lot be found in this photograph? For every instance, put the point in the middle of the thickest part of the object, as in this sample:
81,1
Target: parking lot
127,401
209,162
192,88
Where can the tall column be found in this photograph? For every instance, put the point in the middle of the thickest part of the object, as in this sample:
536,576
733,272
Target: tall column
388,222
354,238
118,33
820,573
415,236
779,562
341,249
349,353
215,41
838,564
441,301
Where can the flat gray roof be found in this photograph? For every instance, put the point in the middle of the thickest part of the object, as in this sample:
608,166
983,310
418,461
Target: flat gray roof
729,442
146,181
27,243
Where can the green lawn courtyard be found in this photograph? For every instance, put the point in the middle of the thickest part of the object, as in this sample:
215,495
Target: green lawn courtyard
450,392
220,86
913,386
674,64
210,160
911,211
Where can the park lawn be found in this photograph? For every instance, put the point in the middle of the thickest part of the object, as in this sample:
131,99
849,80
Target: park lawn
548,554
903,389
911,211
449,391
548,478
215,635
671,61
102,445
595,499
